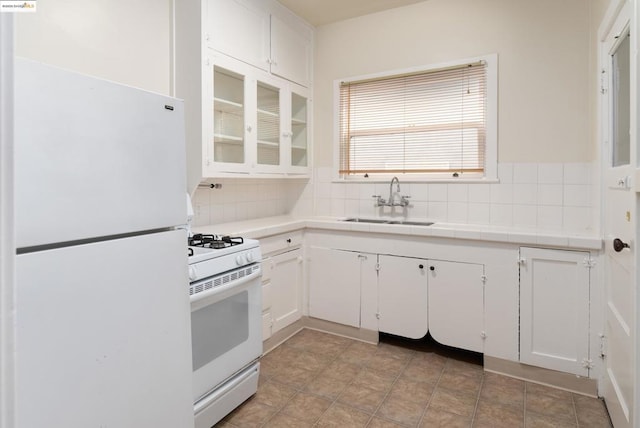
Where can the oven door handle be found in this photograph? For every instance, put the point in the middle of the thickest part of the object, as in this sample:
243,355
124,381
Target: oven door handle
213,294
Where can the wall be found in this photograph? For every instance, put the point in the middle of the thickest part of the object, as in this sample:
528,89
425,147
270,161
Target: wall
127,42
544,66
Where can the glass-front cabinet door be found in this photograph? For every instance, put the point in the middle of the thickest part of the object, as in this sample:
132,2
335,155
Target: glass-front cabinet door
268,116
255,123
228,117
299,131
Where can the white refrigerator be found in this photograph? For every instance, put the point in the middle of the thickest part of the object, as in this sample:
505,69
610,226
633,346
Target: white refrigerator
103,315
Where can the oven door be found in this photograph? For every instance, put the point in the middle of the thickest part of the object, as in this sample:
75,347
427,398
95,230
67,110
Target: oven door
226,330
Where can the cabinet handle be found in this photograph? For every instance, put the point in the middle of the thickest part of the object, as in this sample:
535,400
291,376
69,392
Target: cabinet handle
432,268
289,241
618,245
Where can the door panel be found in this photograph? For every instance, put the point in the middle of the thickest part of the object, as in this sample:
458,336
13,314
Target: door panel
456,304
402,287
619,220
334,285
554,309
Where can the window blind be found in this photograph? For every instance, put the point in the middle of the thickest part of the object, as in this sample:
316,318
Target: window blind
426,122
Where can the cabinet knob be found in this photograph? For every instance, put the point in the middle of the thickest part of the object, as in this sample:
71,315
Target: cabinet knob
288,240
432,268
249,128
421,266
618,245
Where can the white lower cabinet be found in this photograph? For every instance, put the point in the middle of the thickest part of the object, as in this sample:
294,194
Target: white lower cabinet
456,304
334,285
402,296
282,291
554,309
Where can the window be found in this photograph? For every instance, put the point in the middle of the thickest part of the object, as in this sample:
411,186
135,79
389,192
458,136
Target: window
436,122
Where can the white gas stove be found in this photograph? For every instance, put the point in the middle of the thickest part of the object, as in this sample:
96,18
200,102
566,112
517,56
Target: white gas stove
226,310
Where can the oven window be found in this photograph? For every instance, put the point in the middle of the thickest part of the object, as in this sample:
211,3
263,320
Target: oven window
219,327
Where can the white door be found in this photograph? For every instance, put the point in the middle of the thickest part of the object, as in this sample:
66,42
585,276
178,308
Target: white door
286,288
334,285
239,28
402,296
456,304
554,309
619,217
103,335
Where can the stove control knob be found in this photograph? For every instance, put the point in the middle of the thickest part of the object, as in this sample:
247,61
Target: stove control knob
239,260
250,257
193,275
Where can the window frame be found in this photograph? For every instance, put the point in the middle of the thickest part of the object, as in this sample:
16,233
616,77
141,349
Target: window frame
491,147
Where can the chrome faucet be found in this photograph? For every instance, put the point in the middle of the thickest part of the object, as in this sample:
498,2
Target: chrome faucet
404,199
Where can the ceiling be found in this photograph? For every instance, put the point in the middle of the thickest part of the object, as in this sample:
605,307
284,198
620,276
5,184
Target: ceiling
321,12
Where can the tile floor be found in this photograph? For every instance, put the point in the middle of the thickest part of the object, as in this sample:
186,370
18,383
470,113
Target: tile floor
316,379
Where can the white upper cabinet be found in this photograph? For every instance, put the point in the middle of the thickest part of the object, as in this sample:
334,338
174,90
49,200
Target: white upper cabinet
260,35
239,29
254,123
243,69
290,52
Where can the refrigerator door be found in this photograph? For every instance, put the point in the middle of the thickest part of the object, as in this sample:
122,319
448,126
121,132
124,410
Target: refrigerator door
103,336
94,158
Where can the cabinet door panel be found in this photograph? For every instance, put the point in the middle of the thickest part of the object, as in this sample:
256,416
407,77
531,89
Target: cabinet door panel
286,288
334,285
402,299
456,304
290,53
240,30
554,309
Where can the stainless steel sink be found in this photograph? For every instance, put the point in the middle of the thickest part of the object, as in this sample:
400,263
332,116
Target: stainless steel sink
385,221
367,220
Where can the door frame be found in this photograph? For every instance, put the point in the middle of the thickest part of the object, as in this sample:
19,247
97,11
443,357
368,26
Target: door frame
7,242
632,182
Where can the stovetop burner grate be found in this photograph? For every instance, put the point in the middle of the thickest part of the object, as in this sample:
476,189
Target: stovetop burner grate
214,241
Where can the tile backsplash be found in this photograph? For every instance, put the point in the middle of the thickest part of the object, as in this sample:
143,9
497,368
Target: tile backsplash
549,196
245,199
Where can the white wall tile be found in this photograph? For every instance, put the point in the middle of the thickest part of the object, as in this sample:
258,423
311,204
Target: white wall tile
352,191
480,193
505,172
418,209
437,211
549,218
457,192
437,193
457,212
501,214
550,173
366,208
337,208
577,173
338,191
352,207
501,193
526,173
479,213
366,191
577,195
524,216
550,194
525,194
323,190
577,219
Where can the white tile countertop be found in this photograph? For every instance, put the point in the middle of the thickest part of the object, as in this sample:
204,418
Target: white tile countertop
268,226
